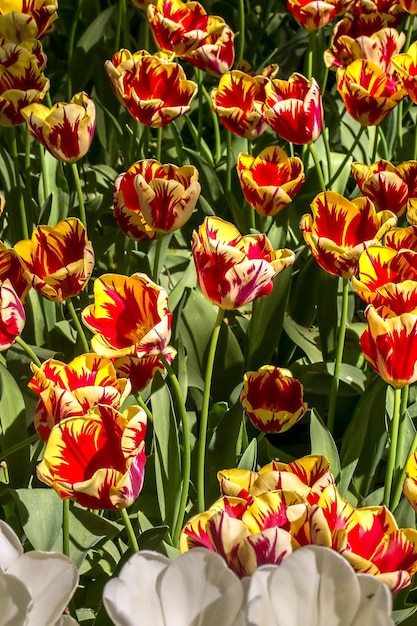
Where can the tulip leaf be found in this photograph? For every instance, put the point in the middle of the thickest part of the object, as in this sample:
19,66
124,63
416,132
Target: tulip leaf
327,318
305,338
401,615
94,33
323,443
40,512
249,458
13,426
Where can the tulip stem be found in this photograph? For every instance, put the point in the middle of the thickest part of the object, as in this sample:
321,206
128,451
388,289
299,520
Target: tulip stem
216,127
394,426
410,27
228,162
347,157
158,144
157,259
18,446
199,79
77,324
133,542
45,177
201,454
399,464
22,210
186,457
144,406
65,526
319,170
334,388
79,194
241,31
28,350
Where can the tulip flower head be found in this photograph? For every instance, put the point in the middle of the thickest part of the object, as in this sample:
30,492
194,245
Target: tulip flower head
366,17
97,459
313,15
238,102
34,599
44,12
12,269
12,315
272,399
271,180
293,108
409,5
410,482
154,90
340,230
58,260
368,92
380,47
233,270
67,129
71,390
161,198
406,67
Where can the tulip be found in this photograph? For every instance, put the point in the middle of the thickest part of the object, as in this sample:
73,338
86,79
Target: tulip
67,129
44,12
12,315
35,587
293,108
340,230
272,399
154,197
97,459
21,82
379,48
129,316
406,237
238,102
185,29
389,344
271,180
57,260
409,5
314,15
154,90
71,390
233,270
368,92
406,67
410,482
141,370
21,30
366,18
196,588
11,268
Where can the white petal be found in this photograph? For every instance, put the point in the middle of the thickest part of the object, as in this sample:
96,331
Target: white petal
314,581
51,579
376,602
198,588
10,546
131,599
15,601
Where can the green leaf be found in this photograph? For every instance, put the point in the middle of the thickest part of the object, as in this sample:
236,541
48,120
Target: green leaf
249,458
323,443
94,33
13,426
305,338
40,512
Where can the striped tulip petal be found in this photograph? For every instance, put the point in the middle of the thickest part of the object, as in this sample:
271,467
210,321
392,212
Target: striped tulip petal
129,316
271,180
44,12
12,315
97,459
141,370
410,482
12,269
58,260
406,66
233,270
340,230
384,184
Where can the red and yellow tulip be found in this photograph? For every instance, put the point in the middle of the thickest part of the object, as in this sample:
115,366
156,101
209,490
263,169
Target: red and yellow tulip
161,198
366,18
141,370
12,315
44,12
129,316
368,92
97,459
410,482
12,269
67,129
313,15
185,29
272,399
271,180
406,67
154,90
409,5
340,230
379,48
58,260
70,390
238,101
233,270
293,108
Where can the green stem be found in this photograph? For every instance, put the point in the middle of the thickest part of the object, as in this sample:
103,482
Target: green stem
143,147
77,325
22,210
375,146
216,127
383,142
201,454
241,31
79,194
395,422
19,446
399,468
200,118
400,114
228,161
65,526
410,28
26,347
316,160
338,357
71,42
157,259
133,542
325,135
347,157
144,406
309,58
186,456
28,180
400,482
158,144
45,176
